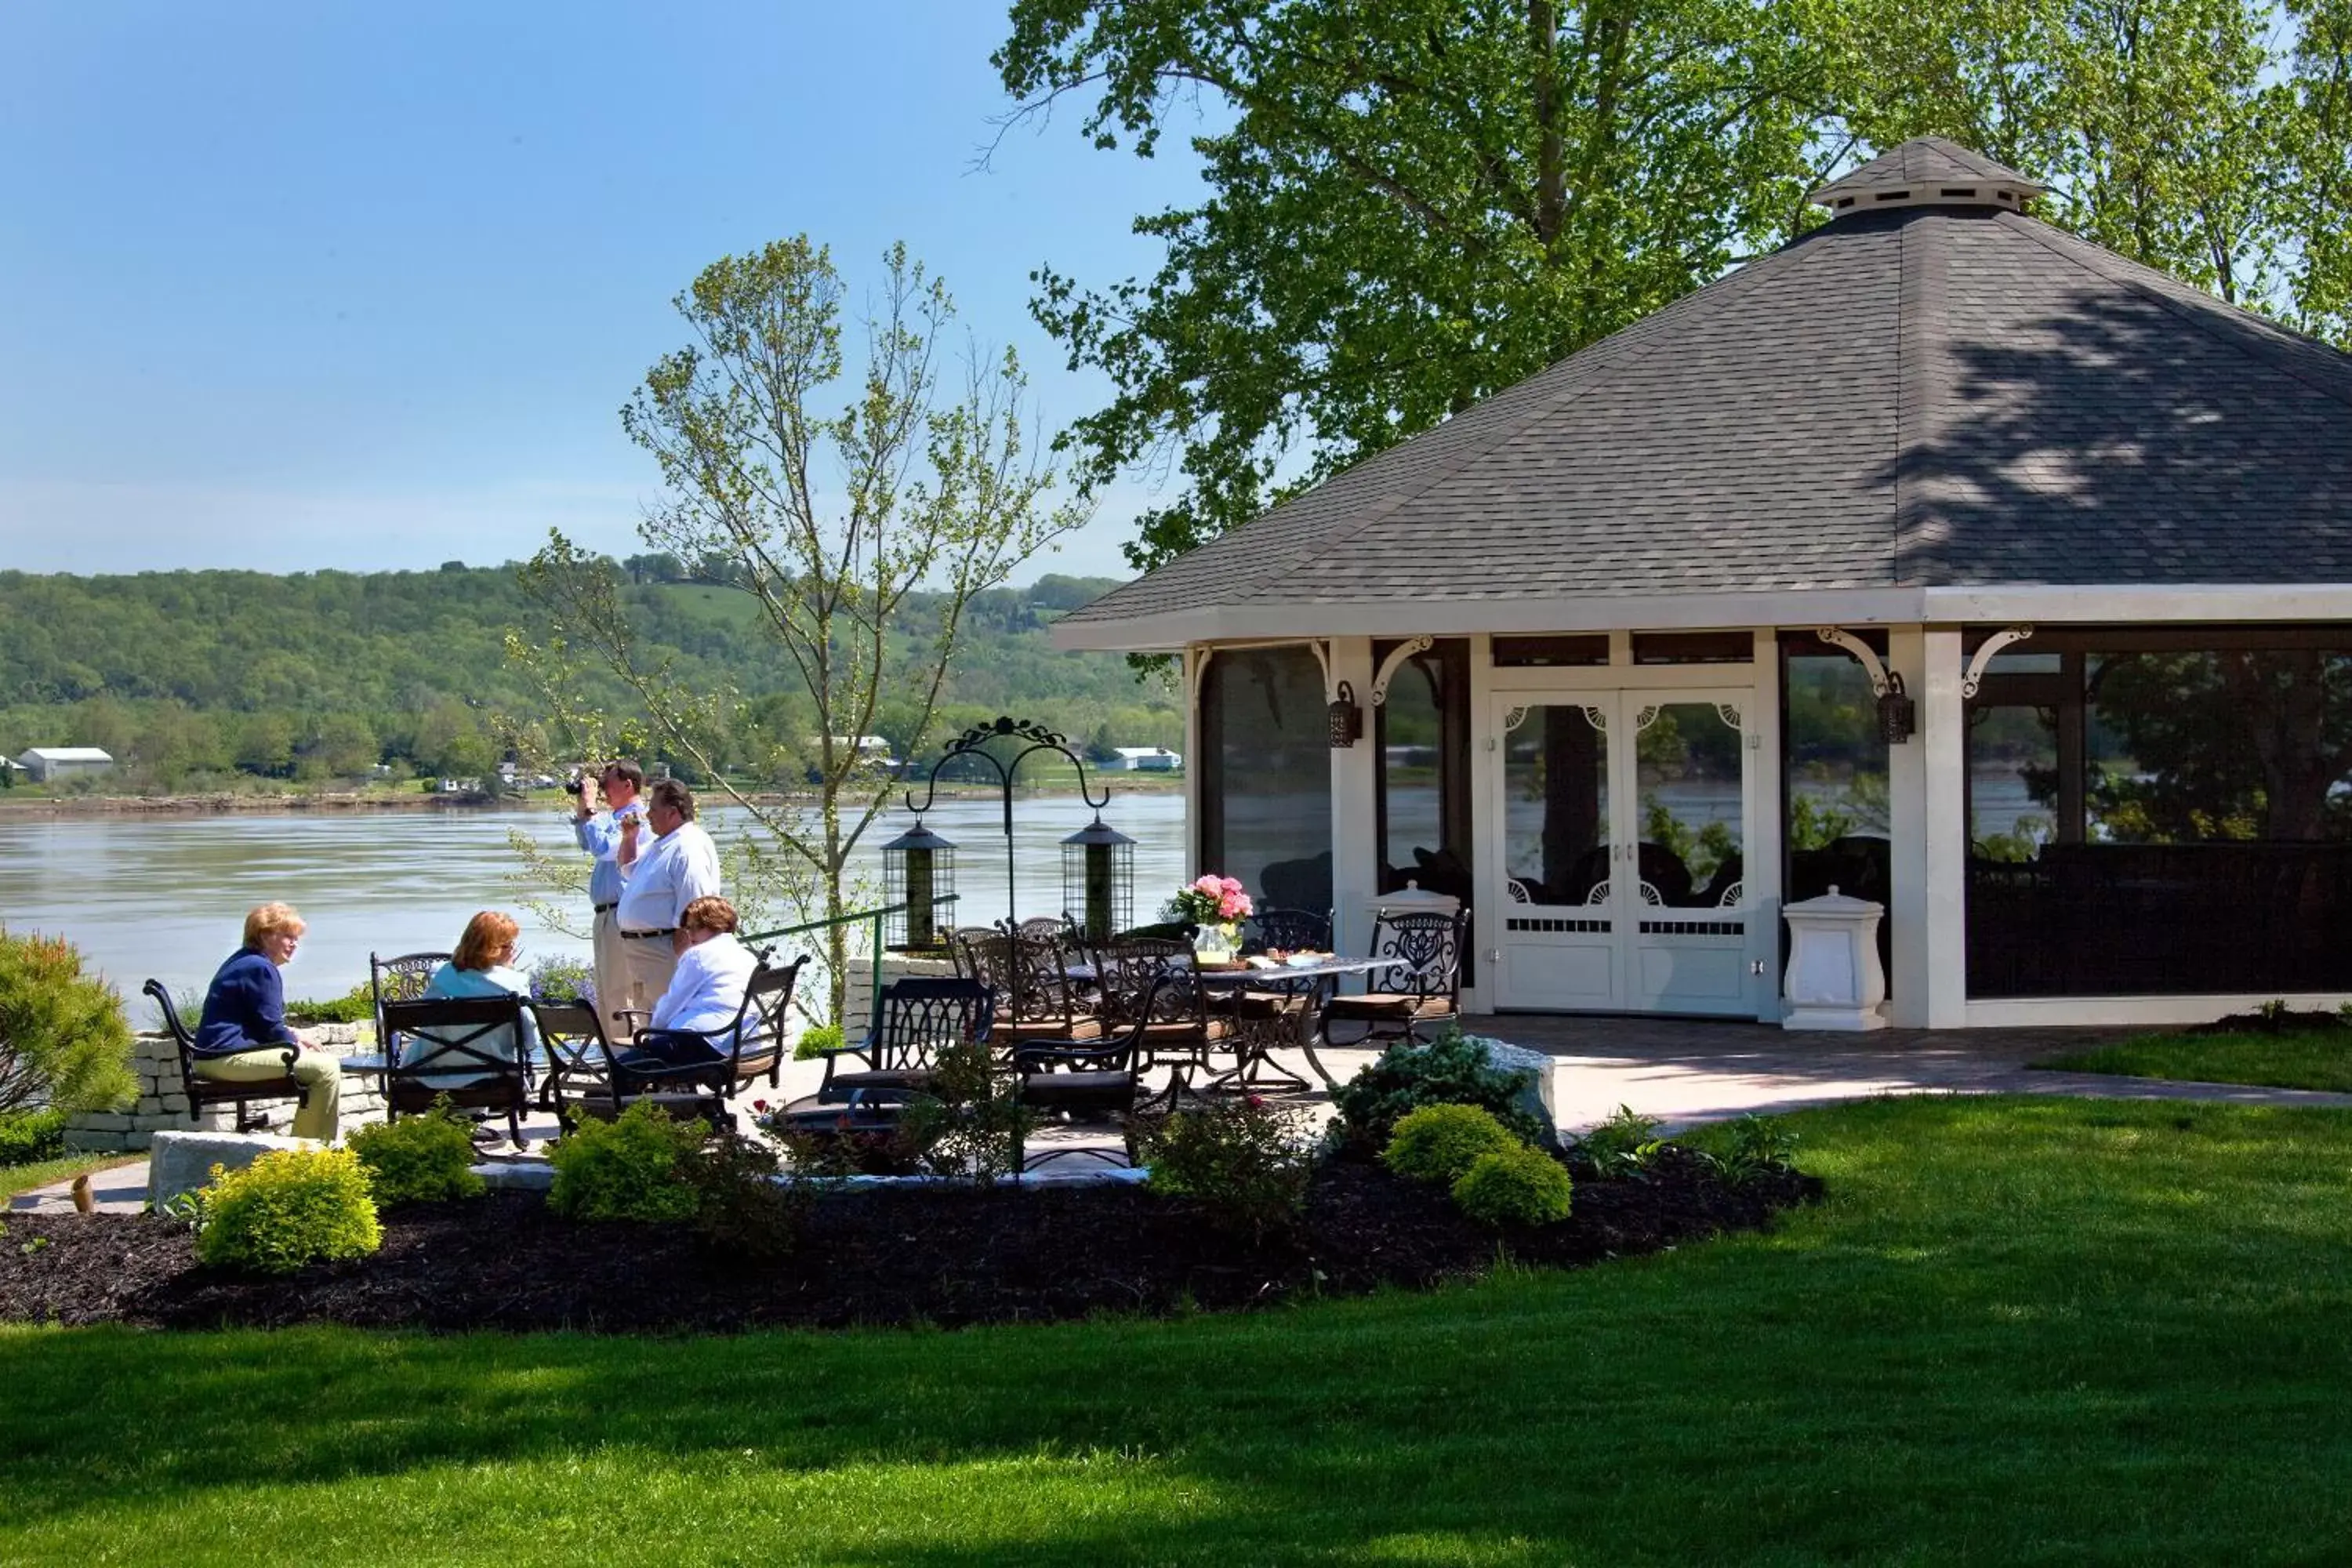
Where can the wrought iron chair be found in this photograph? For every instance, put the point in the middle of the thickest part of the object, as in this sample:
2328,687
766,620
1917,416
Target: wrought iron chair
1047,1003
958,951
578,1070
468,1048
1099,1079
749,1047
204,1092
1419,987
1150,981
919,1017
1045,926
401,979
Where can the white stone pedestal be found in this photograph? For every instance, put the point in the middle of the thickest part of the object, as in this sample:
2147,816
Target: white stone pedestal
1835,980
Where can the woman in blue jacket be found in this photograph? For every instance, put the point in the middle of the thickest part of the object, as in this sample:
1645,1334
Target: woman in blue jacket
243,1036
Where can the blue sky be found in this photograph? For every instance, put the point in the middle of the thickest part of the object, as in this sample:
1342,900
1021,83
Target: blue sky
291,286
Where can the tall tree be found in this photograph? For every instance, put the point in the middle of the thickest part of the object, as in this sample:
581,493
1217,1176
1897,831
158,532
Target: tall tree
1411,204
833,523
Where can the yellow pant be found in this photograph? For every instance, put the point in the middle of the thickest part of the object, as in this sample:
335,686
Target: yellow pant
320,1075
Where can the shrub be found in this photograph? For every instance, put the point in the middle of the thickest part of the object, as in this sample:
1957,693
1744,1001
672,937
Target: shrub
419,1159
356,1005
636,1167
29,1135
1450,1070
1758,1147
1626,1140
740,1209
1244,1161
815,1040
970,1123
289,1207
1438,1142
1514,1186
64,1043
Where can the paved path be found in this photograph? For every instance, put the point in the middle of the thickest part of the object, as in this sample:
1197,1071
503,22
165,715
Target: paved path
1682,1071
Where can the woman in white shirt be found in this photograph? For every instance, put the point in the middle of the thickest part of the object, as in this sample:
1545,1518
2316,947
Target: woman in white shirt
691,1021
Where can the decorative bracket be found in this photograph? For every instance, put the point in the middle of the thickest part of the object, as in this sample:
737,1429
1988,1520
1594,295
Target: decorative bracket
1397,655
1984,655
1840,637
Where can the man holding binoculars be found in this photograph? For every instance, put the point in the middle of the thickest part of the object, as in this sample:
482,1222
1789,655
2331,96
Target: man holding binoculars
601,834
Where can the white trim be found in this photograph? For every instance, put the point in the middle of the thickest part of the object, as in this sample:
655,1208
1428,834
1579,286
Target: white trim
1909,987
1420,643
1942,742
2129,1012
1620,677
2045,605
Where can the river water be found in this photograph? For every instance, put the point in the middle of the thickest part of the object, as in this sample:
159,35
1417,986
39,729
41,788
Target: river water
165,896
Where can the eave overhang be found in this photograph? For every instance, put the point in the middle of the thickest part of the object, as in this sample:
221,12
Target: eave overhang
2043,604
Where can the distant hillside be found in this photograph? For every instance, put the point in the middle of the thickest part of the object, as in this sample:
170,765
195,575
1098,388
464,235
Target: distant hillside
197,677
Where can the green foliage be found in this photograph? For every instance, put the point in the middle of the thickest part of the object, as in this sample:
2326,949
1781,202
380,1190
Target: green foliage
1757,1146
289,1207
1439,1142
1243,1159
419,1159
2294,1058
64,1042
969,1125
29,1135
356,1005
1623,1141
742,1210
559,979
1515,1186
1453,1070
815,1041
637,1166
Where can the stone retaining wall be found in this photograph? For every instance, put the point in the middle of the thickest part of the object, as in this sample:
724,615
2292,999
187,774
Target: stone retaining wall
857,1004
163,1101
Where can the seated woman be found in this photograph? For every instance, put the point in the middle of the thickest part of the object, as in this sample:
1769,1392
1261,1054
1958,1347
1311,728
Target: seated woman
483,965
706,992
242,1037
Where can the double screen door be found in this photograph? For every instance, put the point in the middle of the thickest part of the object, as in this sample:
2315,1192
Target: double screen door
1624,815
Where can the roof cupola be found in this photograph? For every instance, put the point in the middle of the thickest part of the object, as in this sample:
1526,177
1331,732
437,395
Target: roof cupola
1927,172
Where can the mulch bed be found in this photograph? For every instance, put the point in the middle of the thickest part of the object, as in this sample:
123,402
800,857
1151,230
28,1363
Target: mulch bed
933,1256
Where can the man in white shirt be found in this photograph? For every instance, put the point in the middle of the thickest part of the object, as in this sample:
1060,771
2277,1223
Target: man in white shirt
657,882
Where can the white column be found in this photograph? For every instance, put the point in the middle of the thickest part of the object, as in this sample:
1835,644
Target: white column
1489,903
1767,815
1943,743
1926,813
1355,818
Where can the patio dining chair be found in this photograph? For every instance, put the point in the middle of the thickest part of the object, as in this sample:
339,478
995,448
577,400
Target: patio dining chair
1150,981
204,1092
1047,1003
401,979
465,1048
1419,988
919,1017
576,1073
749,1047
1073,1081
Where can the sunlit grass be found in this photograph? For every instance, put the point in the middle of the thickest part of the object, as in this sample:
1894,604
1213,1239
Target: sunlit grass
2018,1330
2312,1058
15,1179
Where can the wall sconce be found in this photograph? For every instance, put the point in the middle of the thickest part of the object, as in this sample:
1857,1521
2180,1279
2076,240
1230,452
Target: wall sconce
1898,716
1347,719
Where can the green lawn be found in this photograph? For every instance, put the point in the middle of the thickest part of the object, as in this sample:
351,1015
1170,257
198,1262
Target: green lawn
2019,1330
2310,1059
15,1179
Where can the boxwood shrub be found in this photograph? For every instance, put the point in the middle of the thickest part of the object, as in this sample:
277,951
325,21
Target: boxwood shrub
289,1207
638,1166
418,1159
1514,1186
1439,1142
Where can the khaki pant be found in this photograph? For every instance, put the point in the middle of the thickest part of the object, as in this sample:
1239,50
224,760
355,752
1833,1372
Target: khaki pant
650,962
611,971
320,1075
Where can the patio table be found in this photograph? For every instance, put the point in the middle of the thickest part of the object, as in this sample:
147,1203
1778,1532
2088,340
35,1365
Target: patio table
1281,977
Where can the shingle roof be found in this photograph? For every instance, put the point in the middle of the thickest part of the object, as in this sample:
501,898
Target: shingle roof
1926,163
1923,396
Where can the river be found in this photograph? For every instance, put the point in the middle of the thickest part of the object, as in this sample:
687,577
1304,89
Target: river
165,896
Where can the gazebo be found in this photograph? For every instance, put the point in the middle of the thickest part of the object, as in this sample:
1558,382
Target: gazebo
1939,556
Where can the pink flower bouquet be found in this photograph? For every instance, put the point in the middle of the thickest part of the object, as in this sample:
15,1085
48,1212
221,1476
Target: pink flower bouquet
1210,900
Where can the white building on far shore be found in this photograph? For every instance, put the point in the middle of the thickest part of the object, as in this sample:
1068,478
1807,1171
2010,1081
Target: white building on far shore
55,765
1143,760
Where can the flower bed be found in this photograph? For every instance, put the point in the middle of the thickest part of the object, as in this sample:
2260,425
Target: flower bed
893,1254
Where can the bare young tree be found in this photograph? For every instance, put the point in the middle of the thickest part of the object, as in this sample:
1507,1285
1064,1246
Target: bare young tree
920,481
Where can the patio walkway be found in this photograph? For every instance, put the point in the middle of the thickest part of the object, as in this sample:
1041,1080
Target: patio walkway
1682,1071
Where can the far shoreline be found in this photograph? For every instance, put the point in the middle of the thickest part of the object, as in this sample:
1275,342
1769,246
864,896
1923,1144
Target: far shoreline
228,804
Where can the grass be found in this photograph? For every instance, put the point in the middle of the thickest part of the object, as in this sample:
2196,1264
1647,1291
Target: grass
2019,1330
2310,1058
